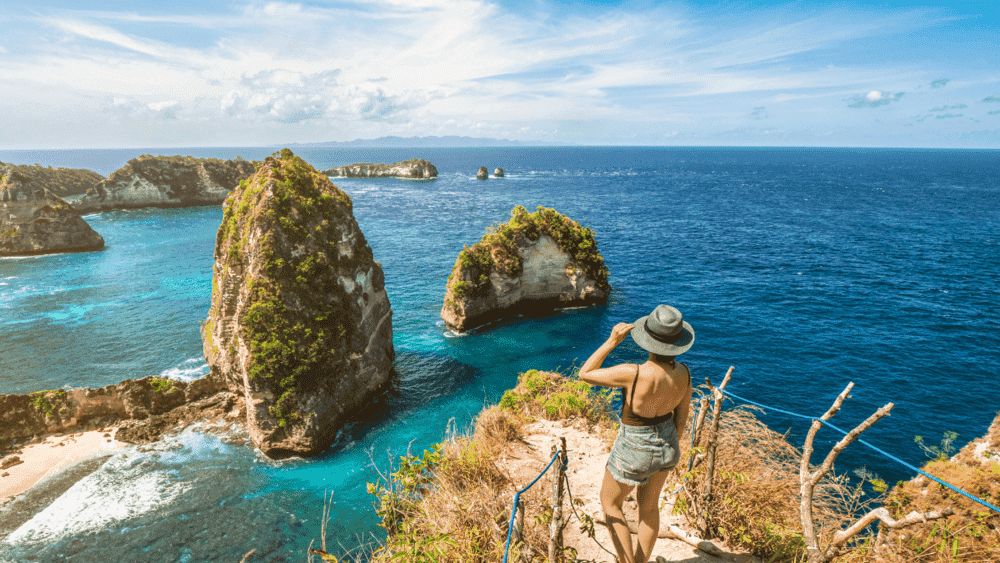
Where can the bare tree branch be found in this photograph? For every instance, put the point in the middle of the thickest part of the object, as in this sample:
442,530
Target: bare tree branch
809,480
882,514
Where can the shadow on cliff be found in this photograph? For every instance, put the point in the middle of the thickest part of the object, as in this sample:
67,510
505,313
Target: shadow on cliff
417,379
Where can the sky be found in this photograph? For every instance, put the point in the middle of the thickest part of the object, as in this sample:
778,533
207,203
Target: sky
84,74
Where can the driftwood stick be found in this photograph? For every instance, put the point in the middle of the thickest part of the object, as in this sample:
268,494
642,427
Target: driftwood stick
696,542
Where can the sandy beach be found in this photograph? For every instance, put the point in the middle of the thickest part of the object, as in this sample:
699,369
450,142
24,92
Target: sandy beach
53,454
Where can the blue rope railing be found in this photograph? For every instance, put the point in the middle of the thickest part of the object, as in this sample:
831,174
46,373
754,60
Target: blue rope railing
517,495
879,450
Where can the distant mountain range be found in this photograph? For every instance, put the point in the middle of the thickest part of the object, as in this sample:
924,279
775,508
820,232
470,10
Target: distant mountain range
423,142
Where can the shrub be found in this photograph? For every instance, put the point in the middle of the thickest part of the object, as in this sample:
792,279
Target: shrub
451,502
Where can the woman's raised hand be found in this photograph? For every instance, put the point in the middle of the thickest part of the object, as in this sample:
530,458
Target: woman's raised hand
620,332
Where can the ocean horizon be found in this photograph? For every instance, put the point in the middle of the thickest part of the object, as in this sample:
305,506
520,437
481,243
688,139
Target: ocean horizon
805,268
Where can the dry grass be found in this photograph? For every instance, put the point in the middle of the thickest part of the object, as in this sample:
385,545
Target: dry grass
452,503
971,535
755,502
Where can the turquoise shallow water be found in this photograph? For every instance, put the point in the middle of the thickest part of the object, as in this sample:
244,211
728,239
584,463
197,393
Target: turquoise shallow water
804,268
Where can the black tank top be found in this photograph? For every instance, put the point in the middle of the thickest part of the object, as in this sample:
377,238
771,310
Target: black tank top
630,418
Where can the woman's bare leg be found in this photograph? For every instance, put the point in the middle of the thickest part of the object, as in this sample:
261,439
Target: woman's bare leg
648,498
613,496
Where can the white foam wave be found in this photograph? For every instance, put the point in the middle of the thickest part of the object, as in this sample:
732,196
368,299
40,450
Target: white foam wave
121,489
188,370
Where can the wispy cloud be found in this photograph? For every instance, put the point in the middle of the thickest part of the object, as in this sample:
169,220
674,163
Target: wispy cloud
874,99
357,67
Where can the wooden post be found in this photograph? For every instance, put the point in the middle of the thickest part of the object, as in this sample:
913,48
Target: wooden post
713,439
555,528
519,530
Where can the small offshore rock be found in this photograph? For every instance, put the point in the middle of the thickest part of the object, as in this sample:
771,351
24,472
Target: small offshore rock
300,323
483,173
33,220
166,181
413,169
534,263
498,173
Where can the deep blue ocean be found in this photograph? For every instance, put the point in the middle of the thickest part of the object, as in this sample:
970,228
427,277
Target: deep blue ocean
803,268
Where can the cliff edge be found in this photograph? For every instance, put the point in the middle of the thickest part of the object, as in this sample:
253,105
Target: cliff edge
62,182
166,181
534,262
33,220
416,169
300,324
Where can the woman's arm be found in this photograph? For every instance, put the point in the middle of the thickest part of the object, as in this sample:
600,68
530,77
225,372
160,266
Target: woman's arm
616,376
681,412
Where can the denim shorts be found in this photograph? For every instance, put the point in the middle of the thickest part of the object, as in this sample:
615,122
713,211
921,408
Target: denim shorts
640,451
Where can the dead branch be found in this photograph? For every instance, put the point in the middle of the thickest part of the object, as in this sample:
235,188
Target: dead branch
713,438
881,513
694,541
809,480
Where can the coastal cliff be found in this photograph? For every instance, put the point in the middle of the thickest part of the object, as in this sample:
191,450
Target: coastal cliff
143,404
534,262
33,220
416,168
62,182
166,181
300,324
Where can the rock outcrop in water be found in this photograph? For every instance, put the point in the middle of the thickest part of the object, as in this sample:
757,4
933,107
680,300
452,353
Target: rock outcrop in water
535,262
166,181
300,323
482,174
62,182
416,169
498,173
150,406
35,221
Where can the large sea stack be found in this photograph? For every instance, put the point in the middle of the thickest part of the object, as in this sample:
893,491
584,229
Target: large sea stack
300,323
33,220
166,181
413,169
533,263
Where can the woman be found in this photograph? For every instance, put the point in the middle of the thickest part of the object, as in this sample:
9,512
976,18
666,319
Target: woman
655,400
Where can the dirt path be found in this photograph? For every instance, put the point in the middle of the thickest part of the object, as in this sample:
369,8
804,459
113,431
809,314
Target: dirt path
587,456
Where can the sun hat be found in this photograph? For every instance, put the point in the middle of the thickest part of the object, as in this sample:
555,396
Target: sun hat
663,332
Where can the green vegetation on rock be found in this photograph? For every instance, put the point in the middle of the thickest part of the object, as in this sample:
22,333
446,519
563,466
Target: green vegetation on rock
161,384
292,210
498,250
41,401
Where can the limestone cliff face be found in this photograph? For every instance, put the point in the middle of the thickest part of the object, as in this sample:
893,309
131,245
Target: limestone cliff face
35,221
166,181
60,181
24,416
300,323
535,262
416,168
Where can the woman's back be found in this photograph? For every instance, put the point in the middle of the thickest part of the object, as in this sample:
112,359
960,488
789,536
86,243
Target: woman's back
659,388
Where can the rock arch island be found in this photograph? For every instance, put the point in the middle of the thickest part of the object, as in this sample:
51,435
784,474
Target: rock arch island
534,262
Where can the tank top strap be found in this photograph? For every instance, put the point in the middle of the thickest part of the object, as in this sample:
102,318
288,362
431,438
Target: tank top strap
634,382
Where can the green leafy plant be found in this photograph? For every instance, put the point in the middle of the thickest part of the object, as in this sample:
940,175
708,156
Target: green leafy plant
944,451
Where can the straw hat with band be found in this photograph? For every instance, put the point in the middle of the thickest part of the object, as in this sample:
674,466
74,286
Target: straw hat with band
663,332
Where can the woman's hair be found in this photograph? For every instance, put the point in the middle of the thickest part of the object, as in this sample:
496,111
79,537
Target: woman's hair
663,359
